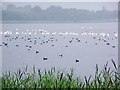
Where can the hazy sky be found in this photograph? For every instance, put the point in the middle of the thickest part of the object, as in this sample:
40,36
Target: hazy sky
79,5
60,0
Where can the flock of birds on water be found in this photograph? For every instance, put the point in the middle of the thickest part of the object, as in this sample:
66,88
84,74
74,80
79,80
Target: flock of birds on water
34,40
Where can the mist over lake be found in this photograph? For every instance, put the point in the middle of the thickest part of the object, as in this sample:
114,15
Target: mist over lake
60,35
64,45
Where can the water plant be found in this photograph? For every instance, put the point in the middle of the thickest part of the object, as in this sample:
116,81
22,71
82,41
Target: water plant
52,78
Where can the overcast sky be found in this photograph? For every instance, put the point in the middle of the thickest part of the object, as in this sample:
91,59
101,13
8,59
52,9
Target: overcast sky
60,0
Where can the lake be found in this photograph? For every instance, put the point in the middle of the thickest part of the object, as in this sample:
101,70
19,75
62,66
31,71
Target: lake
62,45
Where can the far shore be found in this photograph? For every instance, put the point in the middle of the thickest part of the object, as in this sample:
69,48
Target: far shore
84,21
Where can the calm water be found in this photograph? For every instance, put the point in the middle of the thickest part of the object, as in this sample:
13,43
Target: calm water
30,47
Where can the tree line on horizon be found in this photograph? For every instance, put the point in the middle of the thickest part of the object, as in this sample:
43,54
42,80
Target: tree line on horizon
55,13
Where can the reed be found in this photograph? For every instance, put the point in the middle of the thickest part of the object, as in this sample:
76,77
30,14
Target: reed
53,78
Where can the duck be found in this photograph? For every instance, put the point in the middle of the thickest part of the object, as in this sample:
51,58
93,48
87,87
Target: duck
45,58
37,51
77,60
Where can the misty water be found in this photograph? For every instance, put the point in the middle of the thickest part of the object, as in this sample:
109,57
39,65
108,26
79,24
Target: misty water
62,44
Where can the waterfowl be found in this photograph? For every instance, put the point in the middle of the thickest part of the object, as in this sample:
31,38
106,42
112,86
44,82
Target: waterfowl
30,46
78,40
37,51
45,58
66,46
108,43
70,41
113,46
16,45
61,55
77,60
52,45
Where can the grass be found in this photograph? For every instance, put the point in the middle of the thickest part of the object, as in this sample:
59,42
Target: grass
106,78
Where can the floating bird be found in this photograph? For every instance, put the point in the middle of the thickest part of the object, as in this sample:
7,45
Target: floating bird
37,51
77,60
16,38
113,46
30,46
94,37
95,43
66,46
78,40
45,58
5,44
5,36
61,55
108,43
104,40
99,39
16,45
26,45
29,38
70,41
52,45
46,41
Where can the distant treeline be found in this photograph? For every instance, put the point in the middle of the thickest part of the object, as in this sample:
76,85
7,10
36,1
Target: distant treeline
55,13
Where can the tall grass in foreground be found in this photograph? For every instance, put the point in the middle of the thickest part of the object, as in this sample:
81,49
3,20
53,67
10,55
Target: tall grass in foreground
53,78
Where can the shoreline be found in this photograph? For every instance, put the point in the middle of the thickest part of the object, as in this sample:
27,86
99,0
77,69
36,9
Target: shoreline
91,21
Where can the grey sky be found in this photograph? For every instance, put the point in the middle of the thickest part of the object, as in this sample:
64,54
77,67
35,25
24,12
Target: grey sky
79,5
60,0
